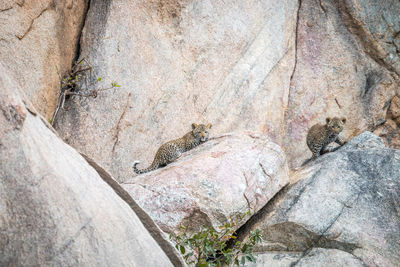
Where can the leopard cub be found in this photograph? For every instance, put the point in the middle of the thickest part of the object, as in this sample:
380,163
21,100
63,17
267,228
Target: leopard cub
320,136
172,150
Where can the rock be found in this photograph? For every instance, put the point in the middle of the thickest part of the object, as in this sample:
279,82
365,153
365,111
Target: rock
267,66
55,209
178,62
223,177
390,134
394,109
346,65
38,42
344,207
390,129
317,257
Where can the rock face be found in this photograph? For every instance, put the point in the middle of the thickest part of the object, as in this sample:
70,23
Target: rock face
223,177
344,209
268,66
179,62
55,210
38,42
390,130
346,65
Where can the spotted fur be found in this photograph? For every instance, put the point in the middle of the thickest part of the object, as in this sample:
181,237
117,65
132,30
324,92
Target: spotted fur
172,150
319,136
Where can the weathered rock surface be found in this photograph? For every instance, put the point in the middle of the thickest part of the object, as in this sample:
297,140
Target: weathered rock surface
343,208
317,257
346,65
38,42
179,62
390,129
276,67
55,209
223,177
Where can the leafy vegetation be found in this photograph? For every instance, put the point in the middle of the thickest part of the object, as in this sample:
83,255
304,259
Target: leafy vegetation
209,248
79,81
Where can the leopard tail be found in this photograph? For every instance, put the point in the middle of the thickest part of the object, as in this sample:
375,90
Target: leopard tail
152,167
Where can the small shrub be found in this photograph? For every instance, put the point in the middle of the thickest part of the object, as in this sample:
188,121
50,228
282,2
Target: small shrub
79,81
208,247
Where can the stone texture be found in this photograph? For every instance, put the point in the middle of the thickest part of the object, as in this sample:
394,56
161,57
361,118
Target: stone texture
317,257
179,62
346,65
223,177
390,129
268,66
55,209
346,200
38,39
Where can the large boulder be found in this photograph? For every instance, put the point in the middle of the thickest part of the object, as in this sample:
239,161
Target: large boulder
346,65
179,62
55,209
342,211
224,177
38,42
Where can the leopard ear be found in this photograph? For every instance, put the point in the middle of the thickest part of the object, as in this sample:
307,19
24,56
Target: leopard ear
328,120
194,126
343,120
209,126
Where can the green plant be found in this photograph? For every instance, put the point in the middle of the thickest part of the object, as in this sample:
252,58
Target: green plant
79,81
209,248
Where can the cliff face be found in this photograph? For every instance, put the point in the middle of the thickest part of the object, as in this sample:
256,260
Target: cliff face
343,210
55,209
268,66
38,43
261,68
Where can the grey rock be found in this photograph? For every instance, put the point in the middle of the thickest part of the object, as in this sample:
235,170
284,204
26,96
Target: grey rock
55,209
346,200
223,177
38,43
343,68
317,257
222,62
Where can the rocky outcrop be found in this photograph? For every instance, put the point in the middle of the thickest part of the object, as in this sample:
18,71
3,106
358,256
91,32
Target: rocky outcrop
179,62
346,65
224,177
390,129
38,43
55,209
268,66
343,210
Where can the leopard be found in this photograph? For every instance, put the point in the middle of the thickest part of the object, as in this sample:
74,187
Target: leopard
320,136
172,150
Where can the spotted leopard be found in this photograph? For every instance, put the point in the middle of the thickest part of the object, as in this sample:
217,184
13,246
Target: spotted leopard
172,150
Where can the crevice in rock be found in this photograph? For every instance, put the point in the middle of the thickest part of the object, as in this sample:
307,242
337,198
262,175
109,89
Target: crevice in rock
244,193
290,236
78,43
148,223
5,9
260,216
20,37
286,112
72,239
322,7
264,171
295,42
118,126
323,242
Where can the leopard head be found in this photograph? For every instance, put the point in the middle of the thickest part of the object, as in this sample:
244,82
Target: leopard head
200,131
335,124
